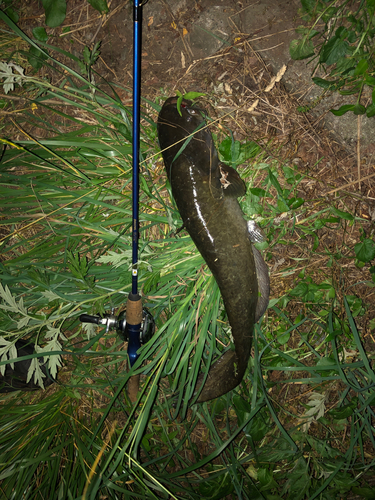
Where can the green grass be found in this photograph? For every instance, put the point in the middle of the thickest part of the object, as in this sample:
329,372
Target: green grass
301,423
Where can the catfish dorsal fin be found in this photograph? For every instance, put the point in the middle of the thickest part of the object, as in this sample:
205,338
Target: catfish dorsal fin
231,182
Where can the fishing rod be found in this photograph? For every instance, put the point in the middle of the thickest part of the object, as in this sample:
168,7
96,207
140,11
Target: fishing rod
134,308
136,324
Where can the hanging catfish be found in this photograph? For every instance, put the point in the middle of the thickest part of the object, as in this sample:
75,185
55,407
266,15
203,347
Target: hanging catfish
206,191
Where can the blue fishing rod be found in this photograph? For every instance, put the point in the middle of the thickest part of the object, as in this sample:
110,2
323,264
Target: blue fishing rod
134,310
135,325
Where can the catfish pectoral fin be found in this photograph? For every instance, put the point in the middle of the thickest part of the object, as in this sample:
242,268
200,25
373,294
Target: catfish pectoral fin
231,181
224,375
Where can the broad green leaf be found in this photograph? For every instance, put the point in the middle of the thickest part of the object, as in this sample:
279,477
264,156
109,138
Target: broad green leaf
258,192
370,80
242,408
40,34
294,203
325,84
99,5
283,338
300,290
230,151
36,58
361,68
257,427
282,204
266,479
55,11
345,65
301,49
351,36
344,411
365,251
313,33
359,109
12,14
342,215
235,151
356,305
308,5
275,183
343,109
334,49
370,111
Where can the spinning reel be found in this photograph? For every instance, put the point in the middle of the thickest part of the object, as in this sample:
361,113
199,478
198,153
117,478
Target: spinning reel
124,330
110,321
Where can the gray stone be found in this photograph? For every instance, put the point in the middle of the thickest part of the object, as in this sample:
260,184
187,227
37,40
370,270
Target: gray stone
211,31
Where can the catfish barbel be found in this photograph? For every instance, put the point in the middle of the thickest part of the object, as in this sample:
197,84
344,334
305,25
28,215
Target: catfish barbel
206,191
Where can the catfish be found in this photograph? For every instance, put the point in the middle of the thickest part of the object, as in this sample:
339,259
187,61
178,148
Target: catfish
206,191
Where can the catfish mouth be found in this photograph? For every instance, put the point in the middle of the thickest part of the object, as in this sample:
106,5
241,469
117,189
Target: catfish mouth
190,107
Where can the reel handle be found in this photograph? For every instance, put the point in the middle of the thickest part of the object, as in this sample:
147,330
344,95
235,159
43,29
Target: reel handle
87,318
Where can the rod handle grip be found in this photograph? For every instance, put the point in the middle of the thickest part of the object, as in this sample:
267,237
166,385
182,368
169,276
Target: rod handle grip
134,309
133,388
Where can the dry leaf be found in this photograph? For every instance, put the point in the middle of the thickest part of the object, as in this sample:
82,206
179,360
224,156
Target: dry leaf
253,106
276,78
182,60
228,88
